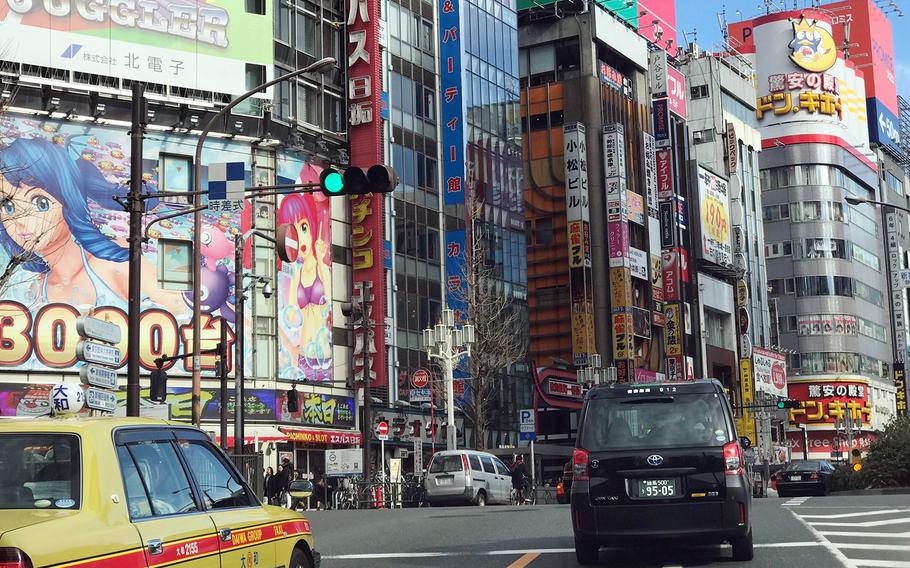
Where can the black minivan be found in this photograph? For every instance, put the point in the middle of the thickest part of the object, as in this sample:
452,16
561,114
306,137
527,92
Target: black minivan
659,462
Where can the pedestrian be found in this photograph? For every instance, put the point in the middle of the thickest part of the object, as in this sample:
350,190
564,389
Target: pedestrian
268,485
287,475
520,478
320,490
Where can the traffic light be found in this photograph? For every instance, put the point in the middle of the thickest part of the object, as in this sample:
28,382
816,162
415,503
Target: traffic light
158,390
353,311
787,404
358,181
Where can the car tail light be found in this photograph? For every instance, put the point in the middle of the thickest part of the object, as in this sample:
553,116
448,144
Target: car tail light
560,489
814,476
464,462
580,464
14,558
742,513
733,459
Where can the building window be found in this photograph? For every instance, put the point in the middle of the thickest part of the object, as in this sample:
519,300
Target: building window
175,264
870,259
175,175
894,183
822,247
282,21
786,324
255,7
703,136
716,327
543,231
779,286
699,92
824,286
868,293
283,103
776,250
307,33
776,212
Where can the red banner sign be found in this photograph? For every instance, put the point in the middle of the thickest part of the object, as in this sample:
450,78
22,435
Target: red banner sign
323,436
823,402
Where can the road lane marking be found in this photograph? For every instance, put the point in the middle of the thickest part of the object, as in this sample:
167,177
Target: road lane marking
881,523
795,502
883,563
523,552
905,534
840,556
524,560
863,514
859,546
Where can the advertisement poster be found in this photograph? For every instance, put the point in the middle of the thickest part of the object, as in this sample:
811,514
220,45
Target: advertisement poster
770,371
673,330
59,215
676,92
664,166
620,288
622,335
636,204
197,44
714,207
618,241
825,401
638,260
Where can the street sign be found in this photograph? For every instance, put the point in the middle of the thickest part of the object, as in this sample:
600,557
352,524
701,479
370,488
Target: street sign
100,399
526,420
94,328
382,431
343,462
98,376
287,242
227,182
92,352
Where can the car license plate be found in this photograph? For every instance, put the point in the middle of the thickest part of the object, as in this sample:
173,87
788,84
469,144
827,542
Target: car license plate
796,478
445,480
656,488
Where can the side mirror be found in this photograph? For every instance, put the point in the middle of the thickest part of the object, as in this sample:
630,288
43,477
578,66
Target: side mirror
745,442
300,488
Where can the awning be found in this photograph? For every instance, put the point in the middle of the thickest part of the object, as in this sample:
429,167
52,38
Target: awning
251,434
322,436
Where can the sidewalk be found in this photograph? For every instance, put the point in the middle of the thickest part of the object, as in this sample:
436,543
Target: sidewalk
881,491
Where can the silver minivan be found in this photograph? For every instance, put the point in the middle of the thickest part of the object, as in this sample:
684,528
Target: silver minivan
468,476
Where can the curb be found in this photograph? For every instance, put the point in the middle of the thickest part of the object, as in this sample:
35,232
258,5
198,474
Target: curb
882,491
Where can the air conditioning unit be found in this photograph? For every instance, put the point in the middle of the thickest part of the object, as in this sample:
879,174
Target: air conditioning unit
698,137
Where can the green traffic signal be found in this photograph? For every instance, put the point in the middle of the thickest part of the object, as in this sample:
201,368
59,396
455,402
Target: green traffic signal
332,182
781,404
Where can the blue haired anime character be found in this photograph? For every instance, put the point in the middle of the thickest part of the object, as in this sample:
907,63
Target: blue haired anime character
45,222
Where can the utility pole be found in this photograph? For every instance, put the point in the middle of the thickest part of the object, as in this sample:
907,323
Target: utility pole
238,345
449,344
223,375
135,206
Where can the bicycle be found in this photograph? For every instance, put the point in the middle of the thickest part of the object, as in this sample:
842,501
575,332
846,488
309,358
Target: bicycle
520,495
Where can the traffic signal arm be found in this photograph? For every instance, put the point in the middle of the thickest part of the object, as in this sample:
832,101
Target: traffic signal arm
358,181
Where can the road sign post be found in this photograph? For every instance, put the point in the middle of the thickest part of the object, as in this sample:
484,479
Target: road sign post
382,432
528,431
97,349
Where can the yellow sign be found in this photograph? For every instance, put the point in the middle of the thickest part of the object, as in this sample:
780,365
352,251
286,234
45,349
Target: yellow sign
812,47
622,336
745,425
673,330
717,222
620,288
582,332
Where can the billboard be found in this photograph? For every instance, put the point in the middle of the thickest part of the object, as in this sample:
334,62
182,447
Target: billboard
714,211
60,219
195,44
365,127
657,23
770,372
872,50
676,92
825,400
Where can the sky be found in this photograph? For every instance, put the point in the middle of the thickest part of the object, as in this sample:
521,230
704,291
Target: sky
702,15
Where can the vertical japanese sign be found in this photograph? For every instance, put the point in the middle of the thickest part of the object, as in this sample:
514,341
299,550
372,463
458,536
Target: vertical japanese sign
676,92
664,168
650,163
451,102
661,117
575,155
614,154
455,262
367,211
657,67
897,289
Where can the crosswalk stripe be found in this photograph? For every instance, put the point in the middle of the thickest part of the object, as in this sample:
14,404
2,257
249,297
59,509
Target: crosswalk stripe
881,523
881,563
836,552
905,534
861,546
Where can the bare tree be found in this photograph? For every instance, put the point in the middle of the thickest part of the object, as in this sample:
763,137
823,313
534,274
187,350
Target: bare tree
499,329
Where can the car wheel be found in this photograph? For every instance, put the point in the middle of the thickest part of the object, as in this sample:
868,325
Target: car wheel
742,547
781,493
481,499
299,559
586,553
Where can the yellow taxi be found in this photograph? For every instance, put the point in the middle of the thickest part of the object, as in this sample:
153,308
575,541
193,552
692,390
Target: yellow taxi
134,492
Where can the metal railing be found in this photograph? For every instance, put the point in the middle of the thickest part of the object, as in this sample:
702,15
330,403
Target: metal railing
251,468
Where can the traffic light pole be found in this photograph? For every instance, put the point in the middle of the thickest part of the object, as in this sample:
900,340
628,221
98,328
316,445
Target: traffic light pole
239,297
223,372
135,207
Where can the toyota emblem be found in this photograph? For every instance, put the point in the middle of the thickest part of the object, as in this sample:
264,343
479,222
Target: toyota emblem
595,464
655,460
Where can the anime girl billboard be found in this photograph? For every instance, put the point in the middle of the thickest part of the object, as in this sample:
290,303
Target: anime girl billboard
305,286
63,246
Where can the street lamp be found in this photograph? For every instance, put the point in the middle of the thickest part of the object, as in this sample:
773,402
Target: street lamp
449,344
864,201
319,66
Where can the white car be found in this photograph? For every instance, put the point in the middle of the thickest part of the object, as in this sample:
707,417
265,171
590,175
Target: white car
468,476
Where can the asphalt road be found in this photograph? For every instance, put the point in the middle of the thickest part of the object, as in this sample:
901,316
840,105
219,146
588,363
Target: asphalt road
856,531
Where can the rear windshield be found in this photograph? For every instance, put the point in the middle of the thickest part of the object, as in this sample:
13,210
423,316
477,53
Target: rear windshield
39,471
654,422
445,464
803,466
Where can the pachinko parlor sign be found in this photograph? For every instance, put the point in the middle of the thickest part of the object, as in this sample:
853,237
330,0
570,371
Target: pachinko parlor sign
46,338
